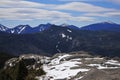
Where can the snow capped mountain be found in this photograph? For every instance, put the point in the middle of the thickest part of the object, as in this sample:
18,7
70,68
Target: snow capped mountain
69,26
64,25
3,28
42,27
103,26
20,29
108,22
25,29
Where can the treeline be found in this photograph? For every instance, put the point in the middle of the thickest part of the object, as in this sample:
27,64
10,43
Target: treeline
20,72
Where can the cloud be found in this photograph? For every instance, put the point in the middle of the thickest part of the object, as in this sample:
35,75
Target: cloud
27,10
106,14
20,3
80,0
114,1
82,7
40,14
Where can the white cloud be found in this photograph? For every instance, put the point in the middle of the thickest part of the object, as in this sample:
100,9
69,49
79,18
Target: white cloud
26,10
32,13
82,7
106,14
21,3
114,1
113,13
80,0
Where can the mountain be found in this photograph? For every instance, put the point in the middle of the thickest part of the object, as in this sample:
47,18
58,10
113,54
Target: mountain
41,27
3,28
20,29
26,29
103,26
69,26
62,66
58,39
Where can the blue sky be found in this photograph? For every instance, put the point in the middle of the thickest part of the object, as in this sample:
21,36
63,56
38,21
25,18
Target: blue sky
75,12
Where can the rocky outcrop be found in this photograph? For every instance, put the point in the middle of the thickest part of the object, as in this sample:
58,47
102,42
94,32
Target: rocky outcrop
63,66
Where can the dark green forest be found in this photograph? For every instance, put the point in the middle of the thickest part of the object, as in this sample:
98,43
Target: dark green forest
44,43
19,72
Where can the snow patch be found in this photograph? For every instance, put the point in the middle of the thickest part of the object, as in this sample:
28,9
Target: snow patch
69,30
21,29
96,58
66,36
58,48
63,70
70,38
2,28
12,31
99,66
113,62
57,60
63,35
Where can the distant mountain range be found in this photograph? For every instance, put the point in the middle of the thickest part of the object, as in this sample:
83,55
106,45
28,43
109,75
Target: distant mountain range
103,26
24,29
57,39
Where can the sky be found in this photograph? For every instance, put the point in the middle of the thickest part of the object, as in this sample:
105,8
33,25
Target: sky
72,12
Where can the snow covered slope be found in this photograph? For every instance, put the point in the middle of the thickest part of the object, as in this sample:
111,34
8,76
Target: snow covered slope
3,28
73,66
20,29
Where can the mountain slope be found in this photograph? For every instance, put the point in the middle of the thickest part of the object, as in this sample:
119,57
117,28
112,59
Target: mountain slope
3,28
20,29
62,66
61,39
104,26
41,27
25,29
69,26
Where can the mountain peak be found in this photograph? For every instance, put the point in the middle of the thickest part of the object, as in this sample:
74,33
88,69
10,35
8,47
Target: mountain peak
3,28
103,26
20,29
64,25
20,26
108,22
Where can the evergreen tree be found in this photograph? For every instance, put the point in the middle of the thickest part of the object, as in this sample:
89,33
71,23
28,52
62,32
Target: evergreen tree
22,72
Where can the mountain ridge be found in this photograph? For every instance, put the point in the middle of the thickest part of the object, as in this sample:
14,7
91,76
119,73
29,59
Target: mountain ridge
103,26
61,39
26,29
